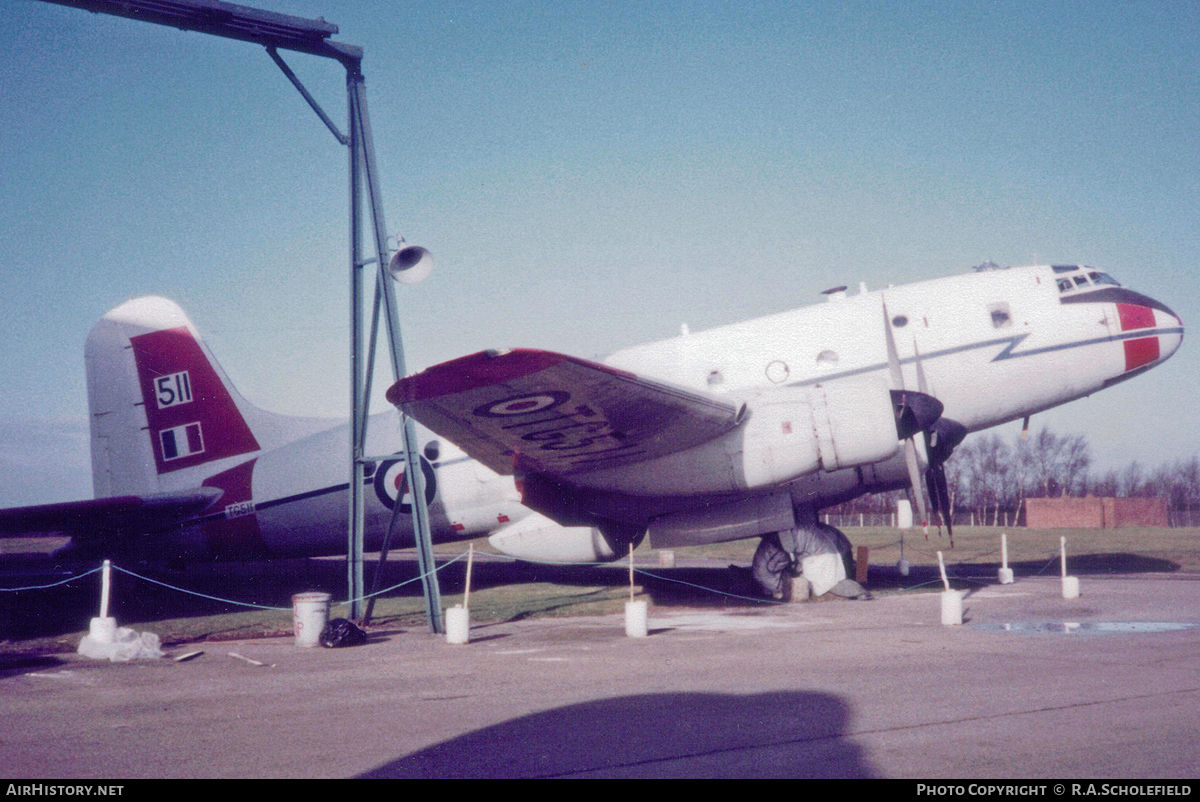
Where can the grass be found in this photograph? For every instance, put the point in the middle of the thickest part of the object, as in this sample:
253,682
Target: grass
48,621
1133,550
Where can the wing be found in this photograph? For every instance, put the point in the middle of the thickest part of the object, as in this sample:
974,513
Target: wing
105,517
554,414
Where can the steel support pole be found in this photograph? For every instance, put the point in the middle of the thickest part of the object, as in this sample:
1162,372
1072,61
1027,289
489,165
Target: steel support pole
358,422
363,153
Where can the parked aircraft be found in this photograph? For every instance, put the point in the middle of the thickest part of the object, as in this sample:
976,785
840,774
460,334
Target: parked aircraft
749,430
184,468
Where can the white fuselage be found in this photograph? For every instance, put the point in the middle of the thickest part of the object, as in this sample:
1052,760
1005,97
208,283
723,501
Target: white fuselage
985,372
993,346
298,500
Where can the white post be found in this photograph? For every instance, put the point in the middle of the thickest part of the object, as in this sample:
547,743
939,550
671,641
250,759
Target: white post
1006,574
951,599
105,585
1070,584
458,617
636,612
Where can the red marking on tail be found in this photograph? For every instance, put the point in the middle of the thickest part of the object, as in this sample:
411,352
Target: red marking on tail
192,417
236,533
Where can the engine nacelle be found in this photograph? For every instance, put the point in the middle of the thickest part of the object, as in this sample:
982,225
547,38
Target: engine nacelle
788,432
793,431
536,537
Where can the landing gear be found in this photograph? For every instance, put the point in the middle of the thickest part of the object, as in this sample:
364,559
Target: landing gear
816,556
774,568
844,548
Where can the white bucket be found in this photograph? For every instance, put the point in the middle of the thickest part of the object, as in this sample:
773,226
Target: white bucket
458,625
636,619
310,614
1070,585
952,607
1006,576
103,630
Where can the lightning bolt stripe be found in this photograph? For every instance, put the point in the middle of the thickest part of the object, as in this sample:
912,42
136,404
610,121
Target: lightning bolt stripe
1008,352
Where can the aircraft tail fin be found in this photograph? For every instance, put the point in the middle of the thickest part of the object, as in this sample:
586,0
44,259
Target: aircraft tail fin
160,404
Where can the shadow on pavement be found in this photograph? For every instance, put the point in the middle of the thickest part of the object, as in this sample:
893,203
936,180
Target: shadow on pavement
782,734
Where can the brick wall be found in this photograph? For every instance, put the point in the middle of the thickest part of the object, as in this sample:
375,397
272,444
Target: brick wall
1094,513
1141,512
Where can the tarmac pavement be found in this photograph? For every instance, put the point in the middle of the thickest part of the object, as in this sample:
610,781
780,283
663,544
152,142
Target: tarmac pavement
876,688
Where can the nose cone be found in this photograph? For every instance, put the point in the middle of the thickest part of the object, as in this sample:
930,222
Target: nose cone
1171,331
1151,330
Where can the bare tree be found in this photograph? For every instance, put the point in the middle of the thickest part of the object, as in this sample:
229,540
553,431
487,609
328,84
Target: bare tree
1106,485
1059,465
1130,480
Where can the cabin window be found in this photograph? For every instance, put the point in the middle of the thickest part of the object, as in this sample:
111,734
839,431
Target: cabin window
1001,317
900,321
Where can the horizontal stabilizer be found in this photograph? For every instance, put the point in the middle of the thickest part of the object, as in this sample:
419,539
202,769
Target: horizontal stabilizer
536,411
106,517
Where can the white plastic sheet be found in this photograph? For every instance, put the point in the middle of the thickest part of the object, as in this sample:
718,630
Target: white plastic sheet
128,645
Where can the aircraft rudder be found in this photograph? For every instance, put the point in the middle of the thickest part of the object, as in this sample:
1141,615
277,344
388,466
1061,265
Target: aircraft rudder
158,401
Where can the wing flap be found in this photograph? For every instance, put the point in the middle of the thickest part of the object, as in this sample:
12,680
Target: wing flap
550,413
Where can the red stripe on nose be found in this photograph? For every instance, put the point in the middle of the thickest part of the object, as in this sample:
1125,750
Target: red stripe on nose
1140,352
1135,317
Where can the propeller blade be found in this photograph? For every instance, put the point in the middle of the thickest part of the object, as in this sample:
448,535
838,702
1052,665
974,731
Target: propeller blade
915,412
893,358
922,385
940,441
914,478
943,490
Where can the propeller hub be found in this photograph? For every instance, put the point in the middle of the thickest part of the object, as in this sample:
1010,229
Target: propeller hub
915,412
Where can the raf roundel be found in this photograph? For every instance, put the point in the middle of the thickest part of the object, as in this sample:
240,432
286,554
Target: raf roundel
522,404
390,483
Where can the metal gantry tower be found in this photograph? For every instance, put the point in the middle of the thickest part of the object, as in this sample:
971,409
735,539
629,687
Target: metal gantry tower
282,32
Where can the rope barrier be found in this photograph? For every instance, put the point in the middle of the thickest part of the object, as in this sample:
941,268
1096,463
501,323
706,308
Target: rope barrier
195,593
220,599
710,590
1051,560
52,584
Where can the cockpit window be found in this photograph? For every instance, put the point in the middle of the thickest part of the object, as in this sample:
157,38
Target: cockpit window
1103,278
1080,279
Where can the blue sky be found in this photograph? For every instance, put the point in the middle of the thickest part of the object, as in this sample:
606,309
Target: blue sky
588,176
